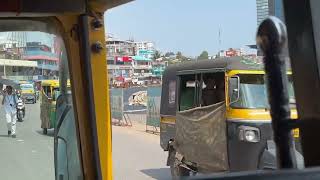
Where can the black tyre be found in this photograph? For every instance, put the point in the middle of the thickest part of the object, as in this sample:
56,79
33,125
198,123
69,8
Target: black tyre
177,171
45,131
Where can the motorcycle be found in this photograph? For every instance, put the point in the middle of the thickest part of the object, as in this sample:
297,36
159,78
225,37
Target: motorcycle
20,109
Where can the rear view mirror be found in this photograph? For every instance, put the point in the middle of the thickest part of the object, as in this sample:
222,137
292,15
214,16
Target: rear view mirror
234,89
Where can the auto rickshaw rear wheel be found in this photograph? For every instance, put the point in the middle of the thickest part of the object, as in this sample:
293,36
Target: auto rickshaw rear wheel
45,131
177,171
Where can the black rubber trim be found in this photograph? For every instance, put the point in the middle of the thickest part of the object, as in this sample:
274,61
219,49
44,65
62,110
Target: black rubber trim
60,121
86,54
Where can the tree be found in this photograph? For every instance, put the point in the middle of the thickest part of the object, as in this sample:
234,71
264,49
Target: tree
179,55
168,54
156,55
204,55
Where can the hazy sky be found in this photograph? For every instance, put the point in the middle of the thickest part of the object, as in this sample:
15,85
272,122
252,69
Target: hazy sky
189,26
10,37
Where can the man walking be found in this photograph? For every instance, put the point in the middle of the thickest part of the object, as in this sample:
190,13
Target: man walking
10,103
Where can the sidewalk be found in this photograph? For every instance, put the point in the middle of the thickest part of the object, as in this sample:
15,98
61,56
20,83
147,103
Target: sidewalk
138,123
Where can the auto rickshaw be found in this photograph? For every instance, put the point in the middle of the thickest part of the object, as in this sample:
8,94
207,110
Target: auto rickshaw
49,94
215,117
28,92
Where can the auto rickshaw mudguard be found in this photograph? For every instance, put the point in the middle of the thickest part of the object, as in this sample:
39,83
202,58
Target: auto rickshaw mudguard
268,158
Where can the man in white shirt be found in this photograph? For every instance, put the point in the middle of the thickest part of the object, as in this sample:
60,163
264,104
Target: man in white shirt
10,104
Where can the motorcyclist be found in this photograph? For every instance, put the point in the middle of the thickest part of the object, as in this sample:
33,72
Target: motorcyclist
20,106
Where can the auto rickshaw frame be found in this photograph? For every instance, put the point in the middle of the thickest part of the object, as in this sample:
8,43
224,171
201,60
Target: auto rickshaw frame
242,156
94,128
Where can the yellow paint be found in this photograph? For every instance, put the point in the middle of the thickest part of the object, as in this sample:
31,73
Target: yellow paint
51,83
253,114
234,72
27,91
101,100
296,133
168,120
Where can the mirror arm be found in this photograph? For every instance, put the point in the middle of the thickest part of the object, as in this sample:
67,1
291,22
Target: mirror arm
271,39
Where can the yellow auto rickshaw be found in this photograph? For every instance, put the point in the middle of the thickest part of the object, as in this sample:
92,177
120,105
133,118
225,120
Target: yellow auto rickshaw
215,117
50,91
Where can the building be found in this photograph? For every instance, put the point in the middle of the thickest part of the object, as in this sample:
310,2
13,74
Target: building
158,67
276,9
47,60
267,8
118,48
141,66
145,49
119,57
128,60
262,10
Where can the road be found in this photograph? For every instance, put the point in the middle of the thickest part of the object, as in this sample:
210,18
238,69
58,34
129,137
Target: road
30,155
137,155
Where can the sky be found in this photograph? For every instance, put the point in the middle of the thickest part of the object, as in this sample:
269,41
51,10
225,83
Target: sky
189,26
10,37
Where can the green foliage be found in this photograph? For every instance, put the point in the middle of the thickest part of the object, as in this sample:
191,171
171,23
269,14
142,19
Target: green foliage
204,55
156,55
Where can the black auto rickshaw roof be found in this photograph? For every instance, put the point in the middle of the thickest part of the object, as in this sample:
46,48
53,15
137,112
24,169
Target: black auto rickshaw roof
227,63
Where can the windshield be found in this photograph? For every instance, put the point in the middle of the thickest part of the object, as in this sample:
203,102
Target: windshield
28,129
26,86
253,92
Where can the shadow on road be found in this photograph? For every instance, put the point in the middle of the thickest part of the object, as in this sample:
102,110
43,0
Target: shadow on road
159,174
50,132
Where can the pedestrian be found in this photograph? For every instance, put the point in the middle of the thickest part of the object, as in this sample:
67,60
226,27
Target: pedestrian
10,104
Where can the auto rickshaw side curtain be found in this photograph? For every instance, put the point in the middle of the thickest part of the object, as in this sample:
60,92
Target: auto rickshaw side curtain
201,137
45,111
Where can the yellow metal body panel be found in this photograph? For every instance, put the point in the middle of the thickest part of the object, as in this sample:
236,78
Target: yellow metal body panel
101,101
253,114
72,44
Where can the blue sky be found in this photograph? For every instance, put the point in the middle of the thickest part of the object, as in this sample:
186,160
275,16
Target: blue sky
189,26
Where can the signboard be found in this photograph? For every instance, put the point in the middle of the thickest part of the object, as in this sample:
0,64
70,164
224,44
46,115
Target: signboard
145,52
123,59
20,63
231,53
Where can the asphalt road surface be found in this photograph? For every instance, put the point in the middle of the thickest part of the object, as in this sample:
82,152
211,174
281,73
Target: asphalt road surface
137,155
30,155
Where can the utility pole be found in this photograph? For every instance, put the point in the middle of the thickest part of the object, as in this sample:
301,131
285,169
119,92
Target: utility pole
219,39
4,68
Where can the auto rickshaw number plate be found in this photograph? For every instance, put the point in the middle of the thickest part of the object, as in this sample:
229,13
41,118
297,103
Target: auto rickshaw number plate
296,133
